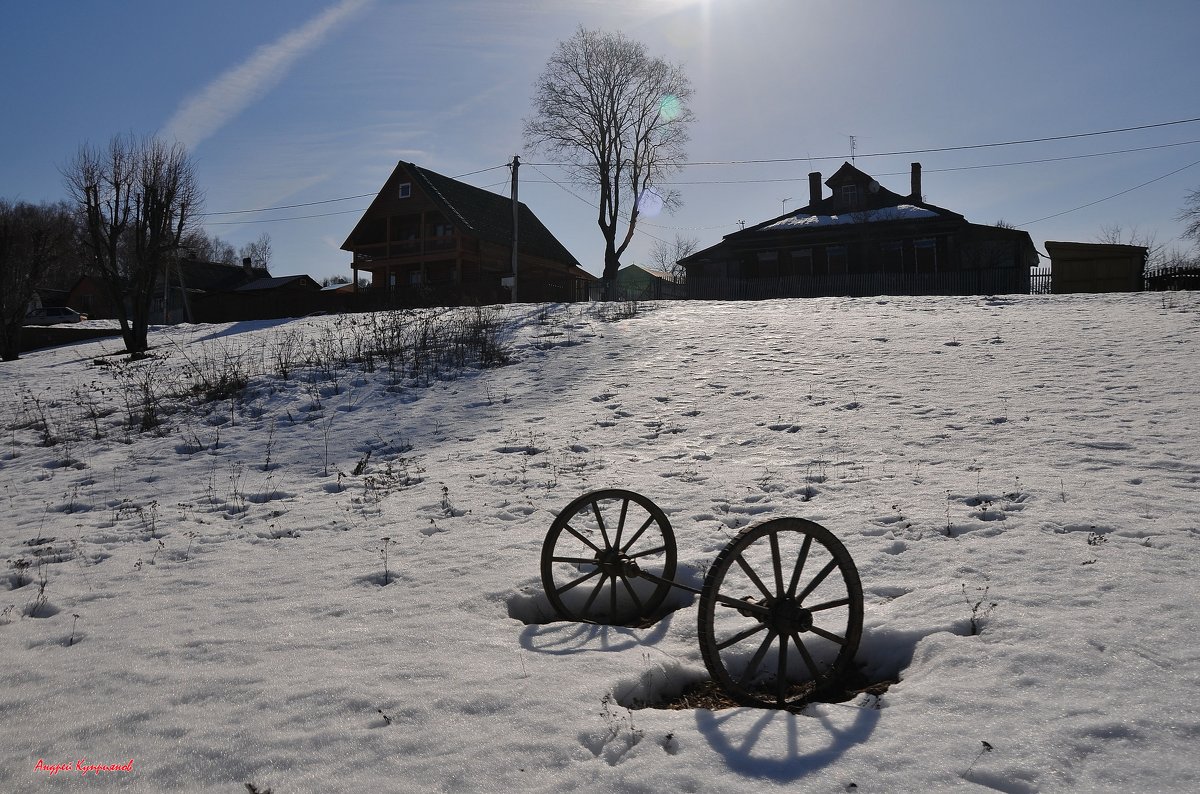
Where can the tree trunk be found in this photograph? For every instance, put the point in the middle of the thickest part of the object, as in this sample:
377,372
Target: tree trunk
10,342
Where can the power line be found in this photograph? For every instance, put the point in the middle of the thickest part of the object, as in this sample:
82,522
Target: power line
930,150
328,201
595,207
1106,198
286,206
291,218
776,160
945,170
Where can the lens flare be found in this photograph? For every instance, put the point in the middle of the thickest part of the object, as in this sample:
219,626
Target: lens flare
670,107
650,203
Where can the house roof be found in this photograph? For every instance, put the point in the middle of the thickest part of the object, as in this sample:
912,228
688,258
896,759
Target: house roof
878,205
276,282
217,276
900,212
633,270
482,213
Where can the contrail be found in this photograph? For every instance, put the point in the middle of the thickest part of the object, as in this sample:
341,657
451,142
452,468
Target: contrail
205,112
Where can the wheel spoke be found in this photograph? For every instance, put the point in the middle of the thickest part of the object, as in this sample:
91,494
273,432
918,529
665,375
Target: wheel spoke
815,583
576,533
781,679
741,635
754,578
600,521
580,580
648,552
595,592
629,543
806,656
776,563
621,524
612,599
800,560
828,635
633,594
841,602
752,668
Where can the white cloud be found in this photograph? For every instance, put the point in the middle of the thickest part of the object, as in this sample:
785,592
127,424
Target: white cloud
205,112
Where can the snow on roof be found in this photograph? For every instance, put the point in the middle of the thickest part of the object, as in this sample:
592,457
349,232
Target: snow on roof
898,213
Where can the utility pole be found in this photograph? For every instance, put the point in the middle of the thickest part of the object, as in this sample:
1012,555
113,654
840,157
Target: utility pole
516,164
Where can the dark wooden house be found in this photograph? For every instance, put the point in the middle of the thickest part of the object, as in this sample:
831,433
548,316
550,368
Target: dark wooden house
428,239
863,240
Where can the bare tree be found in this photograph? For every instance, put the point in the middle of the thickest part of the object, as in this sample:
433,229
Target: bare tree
199,246
1190,215
33,239
258,252
665,256
619,120
137,198
1115,234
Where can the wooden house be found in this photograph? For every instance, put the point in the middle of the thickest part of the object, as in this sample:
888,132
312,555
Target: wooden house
863,239
428,239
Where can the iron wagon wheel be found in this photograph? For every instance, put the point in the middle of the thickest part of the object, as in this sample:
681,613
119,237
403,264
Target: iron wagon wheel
780,613
595,551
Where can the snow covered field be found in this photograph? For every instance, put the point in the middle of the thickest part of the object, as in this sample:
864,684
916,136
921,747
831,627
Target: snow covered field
207,597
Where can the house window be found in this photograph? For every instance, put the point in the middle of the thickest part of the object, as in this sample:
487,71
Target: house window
766,265
405,189
801,263
837,258
414,278
850,196
892,254
925,252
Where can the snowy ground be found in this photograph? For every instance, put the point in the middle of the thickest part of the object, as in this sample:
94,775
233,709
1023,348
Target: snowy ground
212,601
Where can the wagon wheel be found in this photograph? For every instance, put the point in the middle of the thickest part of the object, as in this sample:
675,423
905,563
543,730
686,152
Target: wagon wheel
780,614
595,551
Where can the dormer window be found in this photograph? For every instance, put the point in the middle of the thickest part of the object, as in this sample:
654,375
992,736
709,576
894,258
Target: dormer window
405,189
850,196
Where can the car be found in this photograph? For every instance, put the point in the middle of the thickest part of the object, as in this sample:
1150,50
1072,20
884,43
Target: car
53,315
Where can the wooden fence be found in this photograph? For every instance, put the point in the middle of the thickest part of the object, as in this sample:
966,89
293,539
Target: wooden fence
965,282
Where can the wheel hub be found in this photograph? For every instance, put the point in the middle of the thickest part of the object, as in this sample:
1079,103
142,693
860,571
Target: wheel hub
788,617
614,563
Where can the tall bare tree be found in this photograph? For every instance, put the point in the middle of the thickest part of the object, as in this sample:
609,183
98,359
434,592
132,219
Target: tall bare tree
137,198
33,239
619,119
665,256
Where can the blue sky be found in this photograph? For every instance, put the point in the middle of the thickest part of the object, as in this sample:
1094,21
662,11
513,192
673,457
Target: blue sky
286,103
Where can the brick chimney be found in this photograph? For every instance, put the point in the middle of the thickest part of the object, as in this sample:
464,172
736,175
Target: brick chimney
814,187
247,266
916,182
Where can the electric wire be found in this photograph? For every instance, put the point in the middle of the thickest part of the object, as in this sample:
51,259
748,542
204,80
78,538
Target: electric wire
775,180
1106,198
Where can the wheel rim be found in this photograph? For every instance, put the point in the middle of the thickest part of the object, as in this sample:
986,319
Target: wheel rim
594,551
780,614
